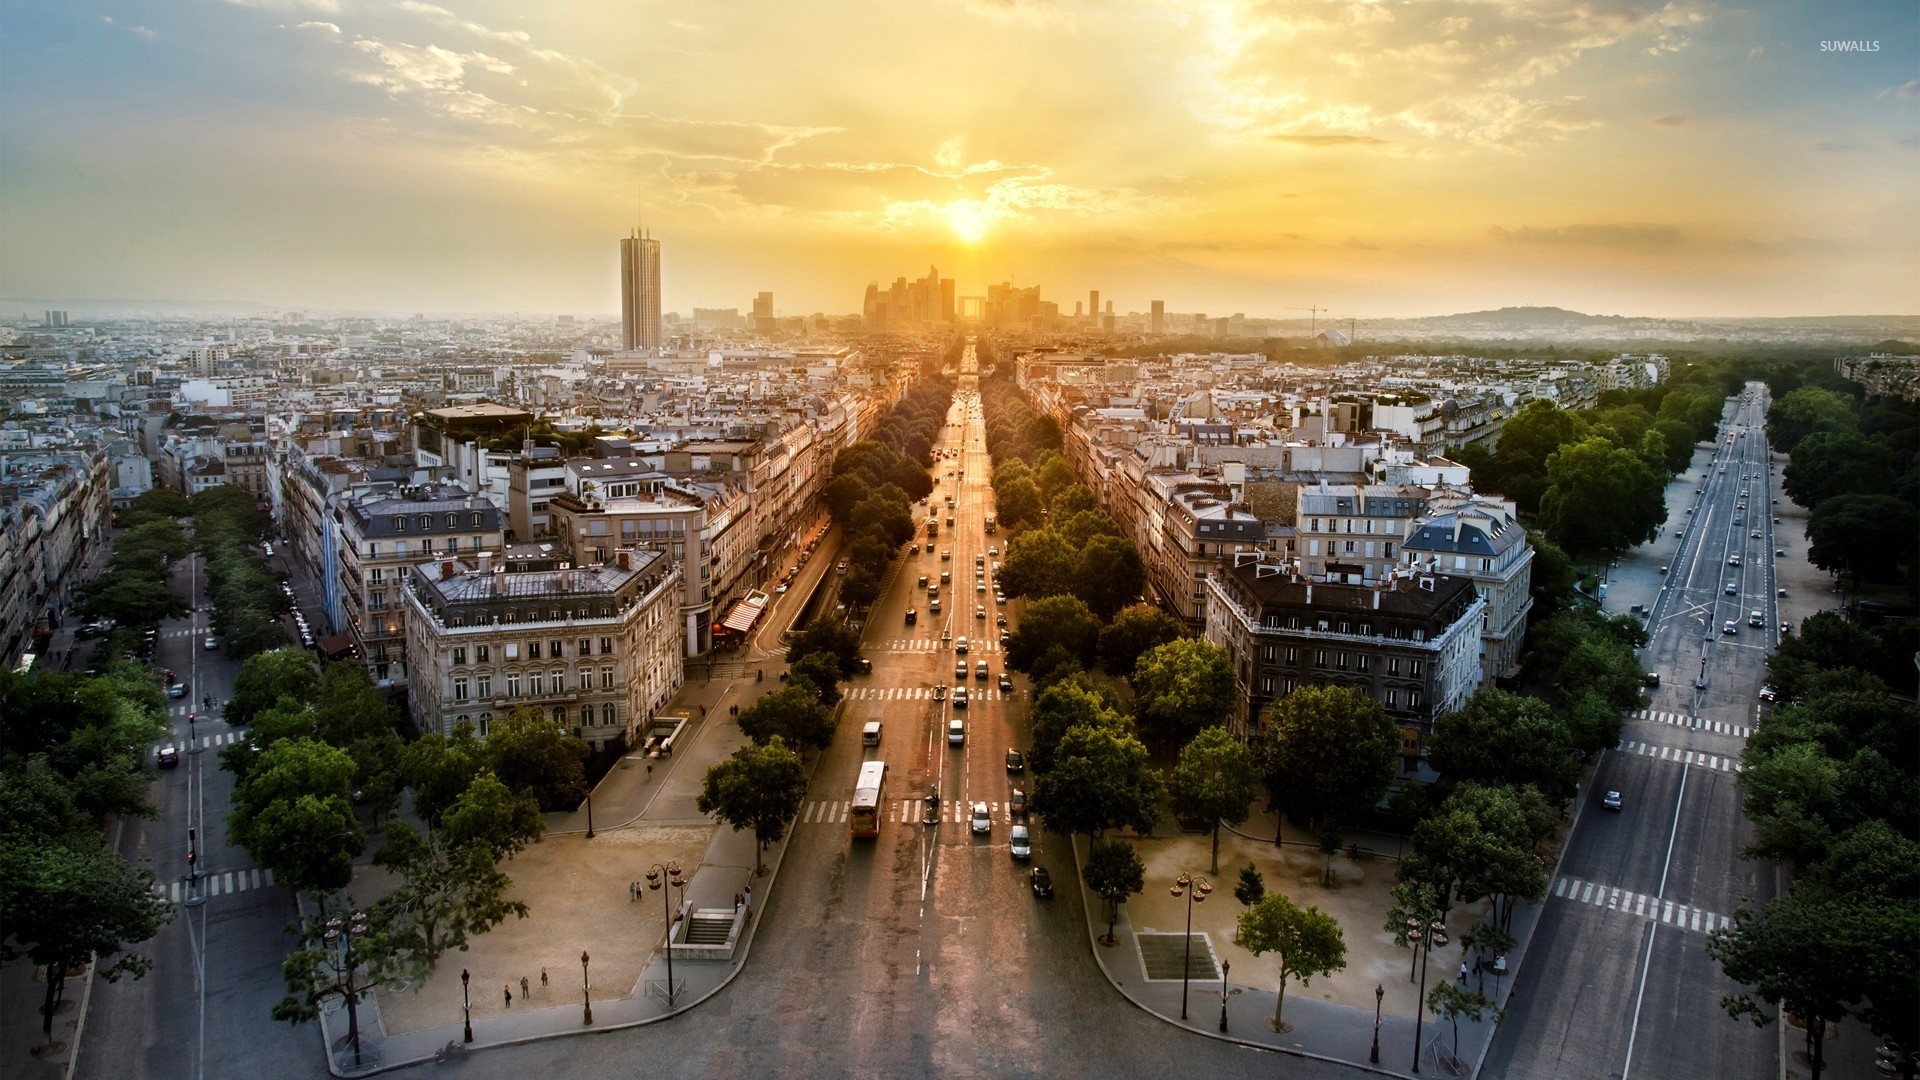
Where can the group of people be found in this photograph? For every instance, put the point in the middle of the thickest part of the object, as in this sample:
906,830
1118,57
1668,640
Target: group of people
506,989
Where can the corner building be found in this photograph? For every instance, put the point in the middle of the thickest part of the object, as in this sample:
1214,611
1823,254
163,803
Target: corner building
597,648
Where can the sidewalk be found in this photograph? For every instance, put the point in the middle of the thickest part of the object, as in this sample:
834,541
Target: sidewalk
643,801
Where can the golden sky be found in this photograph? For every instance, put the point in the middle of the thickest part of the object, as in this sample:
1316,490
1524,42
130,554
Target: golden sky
1685,157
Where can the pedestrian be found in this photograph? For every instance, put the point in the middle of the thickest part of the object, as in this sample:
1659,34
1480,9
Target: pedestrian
1463,971
749,895
543,980
649,770
508,991
736,903
631,894
524,992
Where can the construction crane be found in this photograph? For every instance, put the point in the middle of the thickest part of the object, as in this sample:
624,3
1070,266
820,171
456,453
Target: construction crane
1314,321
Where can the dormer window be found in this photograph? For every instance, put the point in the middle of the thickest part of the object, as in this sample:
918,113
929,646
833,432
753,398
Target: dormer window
426,522
399,524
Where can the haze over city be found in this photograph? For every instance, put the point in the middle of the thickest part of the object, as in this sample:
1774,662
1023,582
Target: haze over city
1687,158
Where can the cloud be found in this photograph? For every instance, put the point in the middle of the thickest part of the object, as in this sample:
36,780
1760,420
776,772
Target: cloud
330,7
1358,244
1031,12
1597,235
1671,120
951,153
1328,140
1756,52
323,27
1906,91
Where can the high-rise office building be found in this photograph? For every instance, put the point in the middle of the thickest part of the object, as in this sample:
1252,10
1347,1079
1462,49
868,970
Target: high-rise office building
1159,316
1093,305
763,313
640,291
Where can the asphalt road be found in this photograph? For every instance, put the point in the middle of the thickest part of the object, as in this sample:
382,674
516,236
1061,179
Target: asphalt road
203,1009
1617,981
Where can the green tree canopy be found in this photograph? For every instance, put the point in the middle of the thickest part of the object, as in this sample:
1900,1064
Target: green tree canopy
1326,753
1806,411
1601,498
1183,687
1133,631
1305,941
1829,463
1114,872
530,753
760,787
66,905
1076,701
267,677
1868,536
1099,780
792,713
439,768
449,891
1062,621
1108,575
1497,737
1039,563
1214,782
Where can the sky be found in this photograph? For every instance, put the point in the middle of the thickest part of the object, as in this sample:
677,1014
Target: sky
1376,159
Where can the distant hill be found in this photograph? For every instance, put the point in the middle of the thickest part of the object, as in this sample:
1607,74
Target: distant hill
1529,317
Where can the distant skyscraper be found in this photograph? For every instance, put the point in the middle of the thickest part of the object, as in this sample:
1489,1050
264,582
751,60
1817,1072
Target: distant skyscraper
640,291
1093,305
1159,316
763,313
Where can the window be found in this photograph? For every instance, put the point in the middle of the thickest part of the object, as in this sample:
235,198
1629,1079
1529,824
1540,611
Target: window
1340,660
1413,668
1364,663
586,678
533,650
373,550
459,689
374,575
606,713
1293,655
1319,658
399,524
453,521
560,715
536,684
1413,699
1393,666
1389,549
556,649
476,543
1350,547
484,684
479,654
606,644
473,519
585,648
1393,699
513,683
1268,653
426,522
1346,627
1266,685
559,681
459,654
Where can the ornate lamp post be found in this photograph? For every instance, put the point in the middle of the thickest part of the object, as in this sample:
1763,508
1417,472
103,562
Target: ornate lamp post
1225,967
1423,934
1195,889
1379,994
665,878
589,813
466,1007
340,929
586,989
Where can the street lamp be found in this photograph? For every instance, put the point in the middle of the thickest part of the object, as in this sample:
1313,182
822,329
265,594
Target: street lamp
1225,966
1195,889
1423,934
665,878
589,813
586,989
466,1006
340,929
1379,993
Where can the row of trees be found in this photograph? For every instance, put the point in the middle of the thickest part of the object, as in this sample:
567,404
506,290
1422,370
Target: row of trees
876,483
1854,463
1832,785
228,526
74,755
133,590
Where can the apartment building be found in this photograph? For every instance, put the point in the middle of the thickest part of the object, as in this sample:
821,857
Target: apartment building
54,512
596,648
1410,641
1479,538
384,530
1353,532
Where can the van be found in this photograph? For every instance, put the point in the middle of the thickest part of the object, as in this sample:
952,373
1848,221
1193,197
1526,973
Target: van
956,731
870,733
1755,618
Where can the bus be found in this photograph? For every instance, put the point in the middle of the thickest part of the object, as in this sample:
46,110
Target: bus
867,794
933,528
990,524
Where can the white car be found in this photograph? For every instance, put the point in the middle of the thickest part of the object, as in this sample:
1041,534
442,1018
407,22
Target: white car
212,643
982,820
1020,843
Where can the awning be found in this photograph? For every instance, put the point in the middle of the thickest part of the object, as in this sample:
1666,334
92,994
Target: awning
745,613
335,646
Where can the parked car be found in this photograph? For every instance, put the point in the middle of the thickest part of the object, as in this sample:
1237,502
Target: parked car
1016,761
1768,693
1006,682
1017,803
1020,843
1041,881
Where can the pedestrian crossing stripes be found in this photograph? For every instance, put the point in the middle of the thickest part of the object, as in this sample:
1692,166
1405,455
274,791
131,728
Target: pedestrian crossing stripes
934,644
911,811
1639,905
214,884
915,693
1738,731
1721,762
208,741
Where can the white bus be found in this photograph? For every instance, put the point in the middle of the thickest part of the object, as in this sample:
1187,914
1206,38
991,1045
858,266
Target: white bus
868,793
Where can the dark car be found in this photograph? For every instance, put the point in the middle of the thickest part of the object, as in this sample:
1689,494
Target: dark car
1042,882
1016,762
166,757
863,665
1017,803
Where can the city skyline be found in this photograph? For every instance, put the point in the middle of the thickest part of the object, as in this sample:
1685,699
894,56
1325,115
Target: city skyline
1675,159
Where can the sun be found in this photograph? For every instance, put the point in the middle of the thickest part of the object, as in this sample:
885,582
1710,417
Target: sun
969,220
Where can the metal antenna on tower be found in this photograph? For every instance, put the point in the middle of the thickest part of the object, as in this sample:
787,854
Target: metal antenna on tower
1313,322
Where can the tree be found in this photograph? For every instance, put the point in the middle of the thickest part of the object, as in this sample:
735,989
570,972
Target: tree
1183,687
792,713
823,673
1133,631
1806,411
293,813
267,677
1453,1002
1108,575
1100,780
1830,463
1801,955
493,818
347,706
317,972
439,768
151,548
1017,502
1792,795
1868,536
66,905
1039,563
450,889
1601,498
1214,782
1326,752
1551,578
154,504
1478,843
1056,620
531,753
759,787
1114,872
829,636
1059,708
1306,941
1497,737
1251,888
132,597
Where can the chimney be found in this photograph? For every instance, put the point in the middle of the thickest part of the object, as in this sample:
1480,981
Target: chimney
485,559
446,569
623,559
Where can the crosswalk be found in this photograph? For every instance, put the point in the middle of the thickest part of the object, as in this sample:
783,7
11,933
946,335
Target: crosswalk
1719,727
1639,905
934,644
1720,762
215,884
208,741
977,692
911,811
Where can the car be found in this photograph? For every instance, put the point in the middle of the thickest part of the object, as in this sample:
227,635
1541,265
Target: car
1017,803
982,820
840,567
994,551
1756,619
1733,560
1779,553
913,549
1652,680
1739,520
863,666
782,587
177,690
1768,693
949,521
999,597
999,618
1663,571
1785,628
1020,843
933,606
956,727
1776,521
1783,590
980,670
1016,761
946,577
1041,882
1754,535
1730,627
922,583
166,757
980,612
960,670
1006,683
268,548
913,616
1733,587
960,645
212,643
940,691
1611,800
946,555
